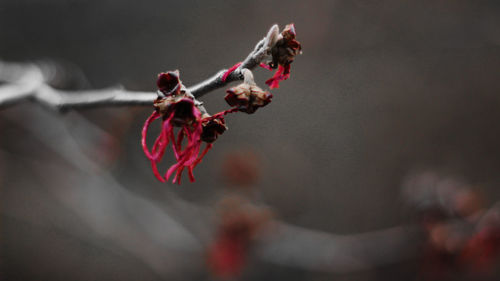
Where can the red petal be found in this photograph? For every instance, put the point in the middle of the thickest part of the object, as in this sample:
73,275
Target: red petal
281,74
266,66
155,115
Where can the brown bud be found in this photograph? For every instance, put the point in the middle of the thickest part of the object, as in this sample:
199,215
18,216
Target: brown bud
248,98
181,106
168,83
285,49
212,129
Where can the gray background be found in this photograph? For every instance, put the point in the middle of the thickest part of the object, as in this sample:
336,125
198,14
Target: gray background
383,89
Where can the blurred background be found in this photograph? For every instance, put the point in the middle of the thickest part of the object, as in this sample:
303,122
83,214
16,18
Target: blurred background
377,160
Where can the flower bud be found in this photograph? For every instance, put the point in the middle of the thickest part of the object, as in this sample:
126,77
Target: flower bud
212,128
168,83
247,97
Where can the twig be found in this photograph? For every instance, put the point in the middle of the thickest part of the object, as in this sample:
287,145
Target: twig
29,82
253,59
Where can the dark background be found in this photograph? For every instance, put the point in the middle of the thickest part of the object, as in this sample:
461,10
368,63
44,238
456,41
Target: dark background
384,89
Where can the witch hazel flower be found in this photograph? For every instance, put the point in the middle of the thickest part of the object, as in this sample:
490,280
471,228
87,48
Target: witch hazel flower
283,54
185,123
247,96
179,111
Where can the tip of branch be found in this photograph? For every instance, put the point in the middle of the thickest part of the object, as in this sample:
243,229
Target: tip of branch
272,35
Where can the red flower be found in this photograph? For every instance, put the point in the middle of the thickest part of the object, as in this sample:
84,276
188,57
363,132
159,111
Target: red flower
177,108
283,53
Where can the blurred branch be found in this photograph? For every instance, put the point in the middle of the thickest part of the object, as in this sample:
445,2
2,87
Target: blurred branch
154,233
320,251
159,235
180,227
134,224
31,81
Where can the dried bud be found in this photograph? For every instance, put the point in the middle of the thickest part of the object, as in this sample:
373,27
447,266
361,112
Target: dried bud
177,108
212,128
283,54
285,49
176,100
247,97
168,83
182,106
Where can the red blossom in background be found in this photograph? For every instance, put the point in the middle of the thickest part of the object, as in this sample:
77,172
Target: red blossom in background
240,223
470,245
283,54
481,250
241,169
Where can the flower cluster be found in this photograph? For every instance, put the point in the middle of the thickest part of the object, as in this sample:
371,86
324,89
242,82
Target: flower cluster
462,233
185,123
283,54
177,108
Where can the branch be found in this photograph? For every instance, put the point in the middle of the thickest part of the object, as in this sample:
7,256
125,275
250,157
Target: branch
30,82
181,227
315,250
253,59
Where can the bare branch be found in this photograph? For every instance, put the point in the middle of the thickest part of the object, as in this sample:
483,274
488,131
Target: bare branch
80,99
29,82
259,53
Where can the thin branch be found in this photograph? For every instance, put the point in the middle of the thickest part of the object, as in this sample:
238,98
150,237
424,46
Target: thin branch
253,59
29,82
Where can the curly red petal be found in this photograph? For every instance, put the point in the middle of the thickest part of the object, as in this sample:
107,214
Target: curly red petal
186,157
281,74
155,115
